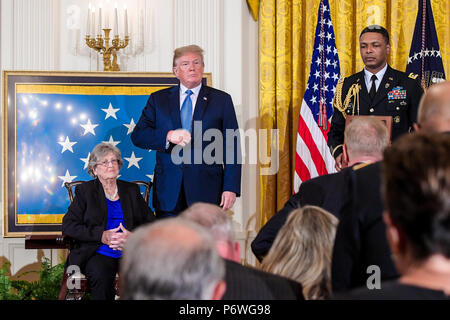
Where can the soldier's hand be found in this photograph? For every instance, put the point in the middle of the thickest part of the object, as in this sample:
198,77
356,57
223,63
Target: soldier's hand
341,162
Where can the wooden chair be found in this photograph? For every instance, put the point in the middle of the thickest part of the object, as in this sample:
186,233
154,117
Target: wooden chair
51,241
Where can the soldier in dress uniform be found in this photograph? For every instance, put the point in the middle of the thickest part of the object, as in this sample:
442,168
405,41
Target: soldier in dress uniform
377,90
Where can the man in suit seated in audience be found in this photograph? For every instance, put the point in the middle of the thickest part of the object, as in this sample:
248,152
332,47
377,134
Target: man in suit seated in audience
171,259
365,140
416,190
361,234
242,283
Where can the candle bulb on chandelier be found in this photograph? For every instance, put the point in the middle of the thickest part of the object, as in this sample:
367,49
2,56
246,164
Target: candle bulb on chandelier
116,26
88,27
126,21
93,22
99,32
107,12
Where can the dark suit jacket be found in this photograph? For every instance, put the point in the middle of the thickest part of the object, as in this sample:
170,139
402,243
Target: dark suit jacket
361,234
245,283
327,191
202,181
86,217
403,111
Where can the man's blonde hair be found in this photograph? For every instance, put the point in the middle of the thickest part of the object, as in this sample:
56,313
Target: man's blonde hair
179,52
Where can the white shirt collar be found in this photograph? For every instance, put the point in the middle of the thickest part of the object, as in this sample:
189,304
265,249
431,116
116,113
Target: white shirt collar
195,90
379,74
368,77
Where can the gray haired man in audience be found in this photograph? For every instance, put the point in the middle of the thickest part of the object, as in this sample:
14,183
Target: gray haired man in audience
242,283
434,109
171,259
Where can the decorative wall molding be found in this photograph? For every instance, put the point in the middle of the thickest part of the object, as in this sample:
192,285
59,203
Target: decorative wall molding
205,30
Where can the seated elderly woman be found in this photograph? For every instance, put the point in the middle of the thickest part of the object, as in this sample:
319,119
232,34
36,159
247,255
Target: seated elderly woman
100,219
302,250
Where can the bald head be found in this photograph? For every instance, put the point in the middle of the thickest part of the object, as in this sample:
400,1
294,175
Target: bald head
213,218
219,225
434,109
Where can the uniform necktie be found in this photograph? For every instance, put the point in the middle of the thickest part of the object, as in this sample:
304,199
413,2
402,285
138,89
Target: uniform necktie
186,111
373,89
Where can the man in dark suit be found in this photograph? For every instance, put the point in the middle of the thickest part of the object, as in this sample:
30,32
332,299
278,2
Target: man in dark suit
178,123
361,234
242,283
365,140
376,90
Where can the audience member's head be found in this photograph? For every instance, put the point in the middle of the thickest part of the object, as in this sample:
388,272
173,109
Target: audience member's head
219,224
302,250
416,189
434,109
172,259
365,139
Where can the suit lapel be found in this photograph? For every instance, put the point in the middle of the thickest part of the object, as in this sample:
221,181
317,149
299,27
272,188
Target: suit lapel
101,200
201,104
174,106
385,86
125,203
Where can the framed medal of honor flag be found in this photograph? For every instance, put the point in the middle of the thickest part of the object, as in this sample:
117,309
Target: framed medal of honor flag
51,122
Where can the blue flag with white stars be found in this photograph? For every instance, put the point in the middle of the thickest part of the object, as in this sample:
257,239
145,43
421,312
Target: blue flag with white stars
57,132
425,58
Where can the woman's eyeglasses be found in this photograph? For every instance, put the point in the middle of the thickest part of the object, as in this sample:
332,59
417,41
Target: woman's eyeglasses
106,163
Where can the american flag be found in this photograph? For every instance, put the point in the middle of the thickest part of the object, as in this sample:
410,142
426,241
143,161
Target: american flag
425,57
313,156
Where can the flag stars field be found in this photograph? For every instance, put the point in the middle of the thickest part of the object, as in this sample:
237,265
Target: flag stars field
130,126
111,141
110,112
67,145
133,160
66,178
89,127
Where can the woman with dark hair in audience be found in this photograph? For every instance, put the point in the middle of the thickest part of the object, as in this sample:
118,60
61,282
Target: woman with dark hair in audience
100,219
302,250
416,189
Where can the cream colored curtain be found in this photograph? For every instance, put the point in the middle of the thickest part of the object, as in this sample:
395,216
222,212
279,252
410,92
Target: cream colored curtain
287,30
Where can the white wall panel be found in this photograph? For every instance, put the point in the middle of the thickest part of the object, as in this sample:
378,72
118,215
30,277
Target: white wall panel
33,39
201,22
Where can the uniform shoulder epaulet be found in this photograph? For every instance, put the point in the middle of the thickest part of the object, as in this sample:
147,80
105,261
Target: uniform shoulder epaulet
413,76
337,99
360,165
